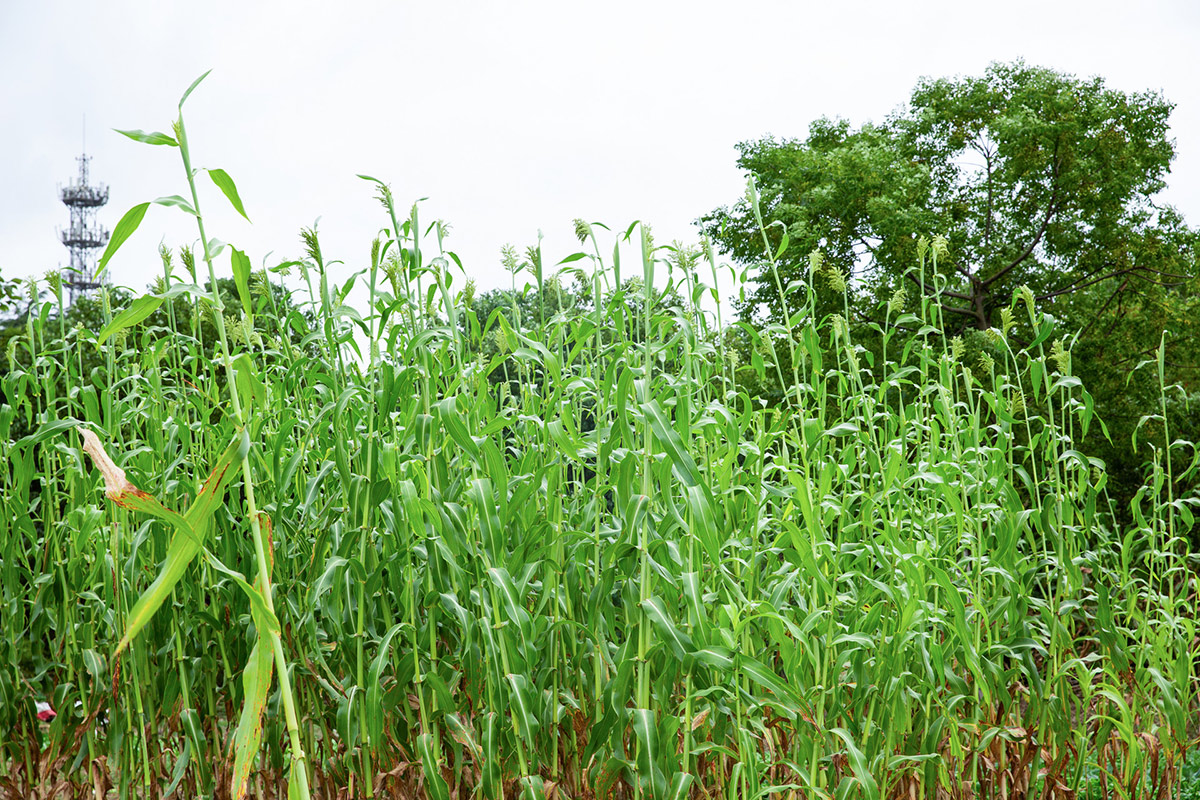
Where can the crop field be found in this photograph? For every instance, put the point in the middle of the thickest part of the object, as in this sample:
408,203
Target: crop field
331,539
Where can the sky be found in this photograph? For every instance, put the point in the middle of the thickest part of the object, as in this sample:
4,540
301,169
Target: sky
509,117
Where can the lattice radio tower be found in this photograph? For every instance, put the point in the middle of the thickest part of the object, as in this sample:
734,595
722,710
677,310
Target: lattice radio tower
85,234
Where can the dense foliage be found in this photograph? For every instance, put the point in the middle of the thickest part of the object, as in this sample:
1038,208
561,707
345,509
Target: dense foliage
358,566
1036,179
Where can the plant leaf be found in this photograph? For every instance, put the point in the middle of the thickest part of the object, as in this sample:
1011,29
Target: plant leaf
178,202
154,137
137,311
191,88
225,183
256,683
241,276
190,527
125,228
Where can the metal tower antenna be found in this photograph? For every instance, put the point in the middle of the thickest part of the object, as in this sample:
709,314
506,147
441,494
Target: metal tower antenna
85,234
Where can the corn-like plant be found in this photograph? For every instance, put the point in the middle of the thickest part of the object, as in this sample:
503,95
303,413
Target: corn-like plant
566,553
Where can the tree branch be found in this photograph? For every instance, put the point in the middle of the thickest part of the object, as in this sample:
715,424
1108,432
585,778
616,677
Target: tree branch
1050,209
1077,285
964,311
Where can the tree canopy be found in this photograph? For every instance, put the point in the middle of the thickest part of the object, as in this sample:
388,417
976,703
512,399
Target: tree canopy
1033,176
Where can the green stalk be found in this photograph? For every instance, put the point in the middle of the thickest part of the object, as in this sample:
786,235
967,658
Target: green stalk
264,575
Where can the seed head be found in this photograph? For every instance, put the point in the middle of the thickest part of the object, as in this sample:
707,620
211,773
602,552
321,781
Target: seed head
508,259
816,261
237,330
384,195
922,246
897,300
649,232
1026,296
1006,321
684,257
260,284
1061,357
391,268
1018,400
939,246
583,231
189,261
501,340
840,329
312,245
533,258
164,253
957,348
54,281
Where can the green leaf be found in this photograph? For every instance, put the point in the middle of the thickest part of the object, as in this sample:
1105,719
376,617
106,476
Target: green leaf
842,429
681,459
435,784
225,183
375,688
679,642
241,276
646,731
264,618
191,88
46,430
858,764
125,228
178,202
251,390
256,683
149,138
527,721
189,536
137,311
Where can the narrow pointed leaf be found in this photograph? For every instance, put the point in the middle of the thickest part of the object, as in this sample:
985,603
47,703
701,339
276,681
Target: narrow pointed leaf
137,311
225,183
154,137
125,228
192,88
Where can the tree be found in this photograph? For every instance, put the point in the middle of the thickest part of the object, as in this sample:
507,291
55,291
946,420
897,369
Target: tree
1033,176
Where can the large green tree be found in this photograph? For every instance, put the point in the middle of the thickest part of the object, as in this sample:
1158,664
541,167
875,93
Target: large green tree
1034,177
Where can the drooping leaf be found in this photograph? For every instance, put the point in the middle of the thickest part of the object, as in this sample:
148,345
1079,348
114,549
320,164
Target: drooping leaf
225,183
256,685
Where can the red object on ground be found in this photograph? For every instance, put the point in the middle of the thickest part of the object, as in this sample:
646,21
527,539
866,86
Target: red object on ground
45,713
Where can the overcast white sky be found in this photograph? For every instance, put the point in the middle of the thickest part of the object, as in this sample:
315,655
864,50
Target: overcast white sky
509,116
